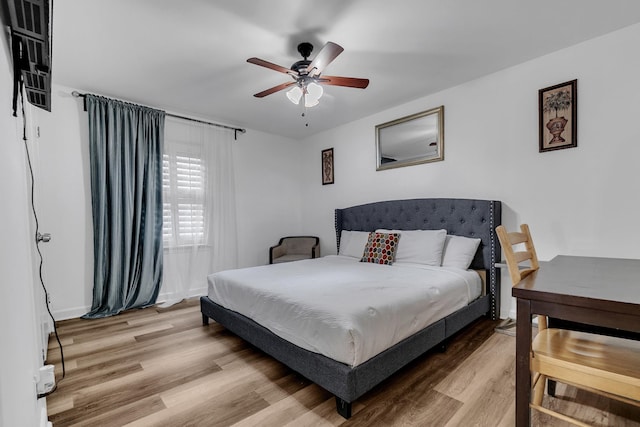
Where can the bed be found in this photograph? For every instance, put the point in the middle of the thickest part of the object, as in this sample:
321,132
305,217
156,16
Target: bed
349,376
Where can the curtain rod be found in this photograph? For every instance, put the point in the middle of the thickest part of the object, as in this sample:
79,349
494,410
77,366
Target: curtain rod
77,94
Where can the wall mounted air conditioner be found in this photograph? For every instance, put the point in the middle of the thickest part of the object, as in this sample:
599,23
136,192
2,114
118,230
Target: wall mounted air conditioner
31,48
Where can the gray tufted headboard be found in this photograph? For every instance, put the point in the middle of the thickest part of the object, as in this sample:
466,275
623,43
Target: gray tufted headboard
462,217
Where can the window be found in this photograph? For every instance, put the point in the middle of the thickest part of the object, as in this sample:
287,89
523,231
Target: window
183,177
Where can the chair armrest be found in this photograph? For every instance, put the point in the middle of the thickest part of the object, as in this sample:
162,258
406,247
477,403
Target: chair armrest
276,252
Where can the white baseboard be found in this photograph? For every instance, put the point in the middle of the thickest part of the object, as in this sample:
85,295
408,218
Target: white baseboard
44,419
166,296
70,313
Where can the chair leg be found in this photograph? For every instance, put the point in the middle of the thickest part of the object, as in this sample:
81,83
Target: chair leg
551,388
538,390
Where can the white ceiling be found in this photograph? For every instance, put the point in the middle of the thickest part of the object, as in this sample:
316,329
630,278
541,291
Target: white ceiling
189,56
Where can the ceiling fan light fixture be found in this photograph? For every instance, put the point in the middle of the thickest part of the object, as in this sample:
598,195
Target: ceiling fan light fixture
295,94
314,91
310,102
312,94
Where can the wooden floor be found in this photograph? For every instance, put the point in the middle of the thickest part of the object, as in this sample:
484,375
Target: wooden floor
161,367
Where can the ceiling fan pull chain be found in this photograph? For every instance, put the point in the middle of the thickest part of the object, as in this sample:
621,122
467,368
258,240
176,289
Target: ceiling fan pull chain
305,111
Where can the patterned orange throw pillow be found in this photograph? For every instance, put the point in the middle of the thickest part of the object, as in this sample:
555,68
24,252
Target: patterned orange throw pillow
380,248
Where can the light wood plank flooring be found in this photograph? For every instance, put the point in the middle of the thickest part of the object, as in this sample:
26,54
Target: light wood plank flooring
161,367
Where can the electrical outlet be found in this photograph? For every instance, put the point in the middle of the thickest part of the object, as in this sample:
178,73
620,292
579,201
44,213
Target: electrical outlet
47,379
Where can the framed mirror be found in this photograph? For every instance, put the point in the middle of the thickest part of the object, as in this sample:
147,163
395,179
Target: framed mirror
411,140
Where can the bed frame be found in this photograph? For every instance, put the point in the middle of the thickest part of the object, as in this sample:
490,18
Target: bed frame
462,217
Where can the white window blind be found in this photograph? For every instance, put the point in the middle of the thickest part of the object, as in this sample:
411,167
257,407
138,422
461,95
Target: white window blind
183,176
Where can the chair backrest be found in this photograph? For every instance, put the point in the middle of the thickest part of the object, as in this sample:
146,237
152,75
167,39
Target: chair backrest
300,244
513,258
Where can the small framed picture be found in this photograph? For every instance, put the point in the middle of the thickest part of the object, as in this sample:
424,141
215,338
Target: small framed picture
327,166
558,112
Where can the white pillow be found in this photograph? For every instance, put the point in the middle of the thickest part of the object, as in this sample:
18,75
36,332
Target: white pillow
352,243
459,251
420,246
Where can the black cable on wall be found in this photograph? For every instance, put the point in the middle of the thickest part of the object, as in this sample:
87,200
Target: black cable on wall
37,241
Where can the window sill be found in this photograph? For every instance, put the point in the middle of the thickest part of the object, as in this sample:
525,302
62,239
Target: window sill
185,248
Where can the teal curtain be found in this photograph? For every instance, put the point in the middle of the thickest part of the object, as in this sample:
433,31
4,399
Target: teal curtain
126,143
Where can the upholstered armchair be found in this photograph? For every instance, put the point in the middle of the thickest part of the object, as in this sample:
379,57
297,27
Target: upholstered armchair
294,248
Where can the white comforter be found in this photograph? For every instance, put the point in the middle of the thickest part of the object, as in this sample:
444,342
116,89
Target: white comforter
341,308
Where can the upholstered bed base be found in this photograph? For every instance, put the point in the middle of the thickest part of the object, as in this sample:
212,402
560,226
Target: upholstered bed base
346,383
470,218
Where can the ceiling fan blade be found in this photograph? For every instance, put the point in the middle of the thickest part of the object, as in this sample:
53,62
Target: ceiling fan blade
271,65
273,89
327,54
344,81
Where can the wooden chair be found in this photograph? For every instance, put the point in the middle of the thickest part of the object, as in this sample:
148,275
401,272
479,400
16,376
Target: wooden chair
516,258
609,366
513,258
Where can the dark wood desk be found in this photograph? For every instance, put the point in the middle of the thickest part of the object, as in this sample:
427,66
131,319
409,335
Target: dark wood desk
595,291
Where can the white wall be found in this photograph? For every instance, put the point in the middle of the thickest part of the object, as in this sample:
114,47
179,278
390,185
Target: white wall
268,192
65,199
267,197
20,334
579,201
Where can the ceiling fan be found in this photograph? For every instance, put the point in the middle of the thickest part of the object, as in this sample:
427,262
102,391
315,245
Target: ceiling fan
307,75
